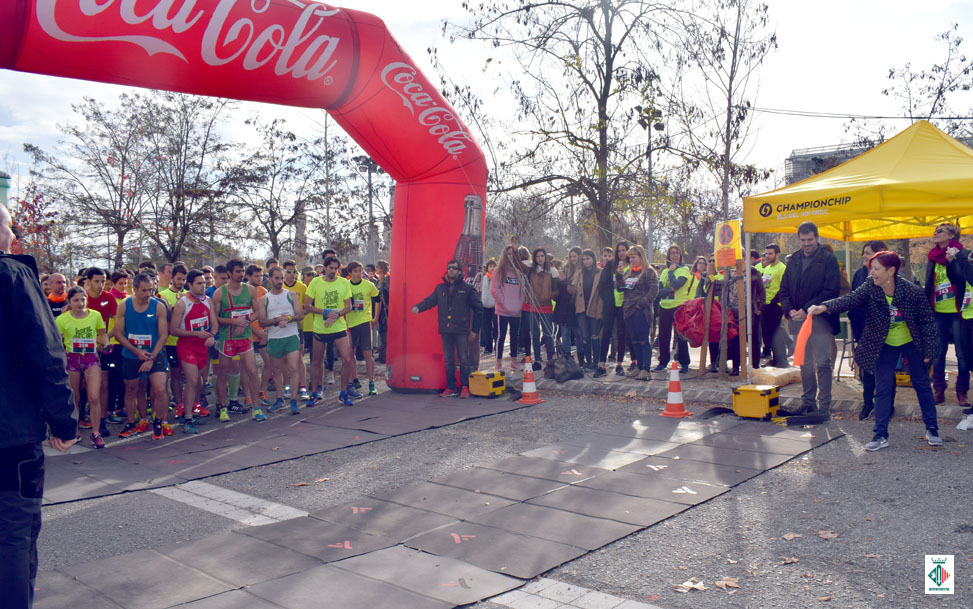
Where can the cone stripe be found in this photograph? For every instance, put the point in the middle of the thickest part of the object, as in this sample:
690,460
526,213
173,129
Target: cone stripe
674,403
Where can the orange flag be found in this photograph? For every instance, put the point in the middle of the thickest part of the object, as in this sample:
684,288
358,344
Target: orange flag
801,341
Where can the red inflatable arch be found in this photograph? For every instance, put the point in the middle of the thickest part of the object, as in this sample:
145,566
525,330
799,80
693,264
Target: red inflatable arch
299,53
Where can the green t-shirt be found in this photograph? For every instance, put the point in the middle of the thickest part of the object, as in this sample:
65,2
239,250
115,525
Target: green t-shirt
80,334
898,332
943,292
172,298
361,302
329,295
966,311
683,293
771,276
620,296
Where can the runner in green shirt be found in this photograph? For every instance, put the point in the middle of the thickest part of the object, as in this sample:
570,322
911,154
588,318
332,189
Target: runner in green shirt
361,319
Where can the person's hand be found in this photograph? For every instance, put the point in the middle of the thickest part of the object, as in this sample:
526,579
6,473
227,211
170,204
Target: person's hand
145,356
797,314
374,322
415,310
817,310
472,335
951,253
61,445
209,342
146,366
240,322
927,360
282,321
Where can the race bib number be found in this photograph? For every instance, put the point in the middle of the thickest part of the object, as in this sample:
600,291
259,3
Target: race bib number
82,345
896,315
945,291
141,341
199,324
241,314
630,283
767,279
512,281
357,305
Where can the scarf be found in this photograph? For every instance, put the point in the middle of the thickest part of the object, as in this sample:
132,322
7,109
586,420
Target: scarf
57,299
938,254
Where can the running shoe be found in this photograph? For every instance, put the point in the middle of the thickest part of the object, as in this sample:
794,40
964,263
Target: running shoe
237,408
200,411
277,405
115,417
345,399
103,430
371,388
224,415
142,426
303,394
312,400
157,432
350,392
464,394
97,441
167,429
294,407
189,427
84,423
356,383
331,377
271,385
258,415
287,392
180,411
264,400
128,430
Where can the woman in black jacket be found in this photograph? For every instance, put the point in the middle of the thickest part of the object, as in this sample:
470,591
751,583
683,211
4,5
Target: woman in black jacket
640,286
857,319
898,322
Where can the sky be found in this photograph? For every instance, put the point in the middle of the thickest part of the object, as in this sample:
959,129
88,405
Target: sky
833,56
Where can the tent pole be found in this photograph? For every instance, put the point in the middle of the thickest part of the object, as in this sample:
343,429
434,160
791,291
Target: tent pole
847,235
749,269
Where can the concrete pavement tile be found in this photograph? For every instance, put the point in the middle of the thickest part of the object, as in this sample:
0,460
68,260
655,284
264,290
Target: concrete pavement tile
666,489
557,525
240,559
563,592
597,600
760,444
438,577
325,541
548,469
392,520
502,484
594,456
691,471
727,456
55,590
234,599
326,586
644,446
605,504
541,583
458,503
114,577
495,549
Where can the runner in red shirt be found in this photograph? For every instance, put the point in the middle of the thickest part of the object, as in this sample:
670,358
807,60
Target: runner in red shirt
194,323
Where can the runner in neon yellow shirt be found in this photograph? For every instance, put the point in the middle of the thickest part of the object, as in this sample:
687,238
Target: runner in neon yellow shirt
329,297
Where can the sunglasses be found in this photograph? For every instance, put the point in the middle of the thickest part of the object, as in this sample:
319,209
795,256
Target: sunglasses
453,268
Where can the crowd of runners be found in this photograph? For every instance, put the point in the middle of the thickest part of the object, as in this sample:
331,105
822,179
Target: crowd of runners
145,347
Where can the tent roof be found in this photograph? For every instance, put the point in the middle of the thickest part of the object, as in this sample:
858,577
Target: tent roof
897,190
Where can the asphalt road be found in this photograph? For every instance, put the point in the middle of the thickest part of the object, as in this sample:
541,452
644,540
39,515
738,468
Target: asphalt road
888,509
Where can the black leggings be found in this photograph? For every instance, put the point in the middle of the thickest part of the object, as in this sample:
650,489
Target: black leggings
612,319
502,323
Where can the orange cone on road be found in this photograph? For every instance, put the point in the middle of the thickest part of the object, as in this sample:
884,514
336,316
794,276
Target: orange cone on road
674,404
529,394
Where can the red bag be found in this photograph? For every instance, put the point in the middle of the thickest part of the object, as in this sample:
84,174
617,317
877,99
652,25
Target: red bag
689,322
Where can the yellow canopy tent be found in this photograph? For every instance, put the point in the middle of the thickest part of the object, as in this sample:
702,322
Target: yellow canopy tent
897,190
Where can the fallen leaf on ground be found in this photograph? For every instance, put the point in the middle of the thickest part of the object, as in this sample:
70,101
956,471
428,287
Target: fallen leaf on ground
690,584
728,582
827,535
867,555
630,394
731,561
824,599
789,561
299,484
684,568
320,479
791,536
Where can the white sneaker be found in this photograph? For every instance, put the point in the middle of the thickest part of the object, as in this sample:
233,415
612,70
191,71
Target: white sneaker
932,437
331,378
966,423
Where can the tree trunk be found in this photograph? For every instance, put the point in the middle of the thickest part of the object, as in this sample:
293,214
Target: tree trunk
300,233
119,248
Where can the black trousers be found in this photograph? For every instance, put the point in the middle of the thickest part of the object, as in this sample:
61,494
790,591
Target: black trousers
21,491
666,319
612,321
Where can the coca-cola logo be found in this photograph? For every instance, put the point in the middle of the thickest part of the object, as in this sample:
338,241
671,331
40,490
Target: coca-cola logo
299,49
439,120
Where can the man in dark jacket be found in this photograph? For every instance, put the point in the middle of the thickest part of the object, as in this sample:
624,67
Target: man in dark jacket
460,318
811,277
35,395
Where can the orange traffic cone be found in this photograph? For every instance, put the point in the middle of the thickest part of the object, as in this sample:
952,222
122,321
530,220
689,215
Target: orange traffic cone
674,403
529,395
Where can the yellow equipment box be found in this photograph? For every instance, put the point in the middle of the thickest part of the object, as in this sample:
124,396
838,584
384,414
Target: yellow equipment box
488,384
756,401
902,379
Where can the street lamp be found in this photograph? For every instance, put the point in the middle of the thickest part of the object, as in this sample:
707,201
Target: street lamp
367,164
649,119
